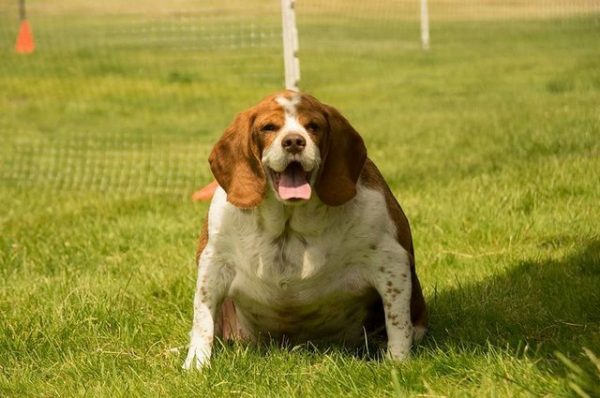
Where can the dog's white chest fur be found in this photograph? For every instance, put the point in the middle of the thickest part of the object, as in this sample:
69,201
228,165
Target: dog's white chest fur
300,271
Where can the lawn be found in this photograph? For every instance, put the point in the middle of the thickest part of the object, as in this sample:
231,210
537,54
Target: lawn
490,141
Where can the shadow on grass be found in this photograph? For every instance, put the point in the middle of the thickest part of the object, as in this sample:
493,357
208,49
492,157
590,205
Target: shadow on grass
548,305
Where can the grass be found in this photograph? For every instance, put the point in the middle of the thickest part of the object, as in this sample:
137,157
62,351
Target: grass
490,142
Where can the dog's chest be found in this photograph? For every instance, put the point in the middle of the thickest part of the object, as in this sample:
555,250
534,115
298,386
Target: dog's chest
293,265
303,285
301,288
304,275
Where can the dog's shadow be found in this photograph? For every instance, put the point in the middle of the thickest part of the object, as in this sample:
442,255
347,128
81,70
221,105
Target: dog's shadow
546,305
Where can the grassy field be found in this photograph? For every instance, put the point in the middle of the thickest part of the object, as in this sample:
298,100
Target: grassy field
491,142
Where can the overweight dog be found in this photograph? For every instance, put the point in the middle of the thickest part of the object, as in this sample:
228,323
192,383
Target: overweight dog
304,240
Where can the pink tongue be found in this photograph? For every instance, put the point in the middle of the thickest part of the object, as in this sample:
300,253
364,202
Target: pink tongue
293,183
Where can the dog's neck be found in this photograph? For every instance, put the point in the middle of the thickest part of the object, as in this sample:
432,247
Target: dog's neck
309,218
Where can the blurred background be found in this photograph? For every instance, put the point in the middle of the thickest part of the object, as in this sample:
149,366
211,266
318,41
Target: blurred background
126,97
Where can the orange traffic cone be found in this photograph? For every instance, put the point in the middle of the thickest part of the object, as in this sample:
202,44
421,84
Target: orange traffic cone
25,43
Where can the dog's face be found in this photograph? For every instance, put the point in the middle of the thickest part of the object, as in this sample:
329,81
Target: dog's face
293,141
293,144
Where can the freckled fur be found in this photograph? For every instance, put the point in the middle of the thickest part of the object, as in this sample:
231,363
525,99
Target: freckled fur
371,177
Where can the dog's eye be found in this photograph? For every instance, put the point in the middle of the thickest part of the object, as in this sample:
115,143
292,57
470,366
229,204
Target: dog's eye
269,127
312,127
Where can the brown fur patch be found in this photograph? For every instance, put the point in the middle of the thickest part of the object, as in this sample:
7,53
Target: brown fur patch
227,324
202,240
343,154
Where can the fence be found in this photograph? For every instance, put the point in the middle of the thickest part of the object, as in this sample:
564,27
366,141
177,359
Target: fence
127,97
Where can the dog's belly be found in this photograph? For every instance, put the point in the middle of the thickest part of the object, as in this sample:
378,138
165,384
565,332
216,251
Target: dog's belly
300,310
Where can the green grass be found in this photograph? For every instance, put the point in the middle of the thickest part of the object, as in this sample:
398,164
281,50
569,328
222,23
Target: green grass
490,141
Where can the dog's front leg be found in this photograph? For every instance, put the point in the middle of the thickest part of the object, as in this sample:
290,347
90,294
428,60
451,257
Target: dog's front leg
392,280
214,279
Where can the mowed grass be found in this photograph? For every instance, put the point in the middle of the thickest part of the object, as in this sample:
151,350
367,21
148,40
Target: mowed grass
490,141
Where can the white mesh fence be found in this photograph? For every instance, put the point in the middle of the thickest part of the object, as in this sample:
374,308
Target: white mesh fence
124,96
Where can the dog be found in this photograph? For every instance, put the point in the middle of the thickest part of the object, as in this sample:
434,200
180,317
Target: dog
304,241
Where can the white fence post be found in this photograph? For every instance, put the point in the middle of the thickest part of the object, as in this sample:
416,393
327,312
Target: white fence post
424,25
290,45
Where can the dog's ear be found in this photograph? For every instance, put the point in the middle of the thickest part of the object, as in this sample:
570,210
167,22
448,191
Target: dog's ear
235,163
344,155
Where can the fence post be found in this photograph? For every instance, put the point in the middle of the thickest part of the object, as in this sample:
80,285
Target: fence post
22,14
290,45
424,25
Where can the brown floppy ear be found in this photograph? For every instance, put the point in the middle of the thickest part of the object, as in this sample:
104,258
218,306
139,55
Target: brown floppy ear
234,161
344,158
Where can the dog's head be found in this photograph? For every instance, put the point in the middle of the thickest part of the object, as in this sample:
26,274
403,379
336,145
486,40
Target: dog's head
293,144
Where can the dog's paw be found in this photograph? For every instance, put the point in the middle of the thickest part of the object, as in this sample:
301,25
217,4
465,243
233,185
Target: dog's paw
198,357
399,347
398,355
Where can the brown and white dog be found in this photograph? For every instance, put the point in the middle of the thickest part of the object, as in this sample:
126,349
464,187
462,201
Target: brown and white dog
304,240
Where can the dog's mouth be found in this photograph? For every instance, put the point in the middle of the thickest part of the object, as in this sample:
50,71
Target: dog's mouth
293,183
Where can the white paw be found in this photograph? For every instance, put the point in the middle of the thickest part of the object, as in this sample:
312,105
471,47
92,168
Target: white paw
399,346
198,357
399,355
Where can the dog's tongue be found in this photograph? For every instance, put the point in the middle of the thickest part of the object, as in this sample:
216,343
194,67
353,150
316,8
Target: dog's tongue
293,183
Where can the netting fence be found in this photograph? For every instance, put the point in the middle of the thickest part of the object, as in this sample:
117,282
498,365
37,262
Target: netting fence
128,97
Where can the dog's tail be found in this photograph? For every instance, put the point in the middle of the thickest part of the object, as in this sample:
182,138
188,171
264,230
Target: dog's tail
205,193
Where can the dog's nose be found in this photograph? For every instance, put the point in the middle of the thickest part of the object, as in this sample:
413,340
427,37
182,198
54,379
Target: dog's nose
293,143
